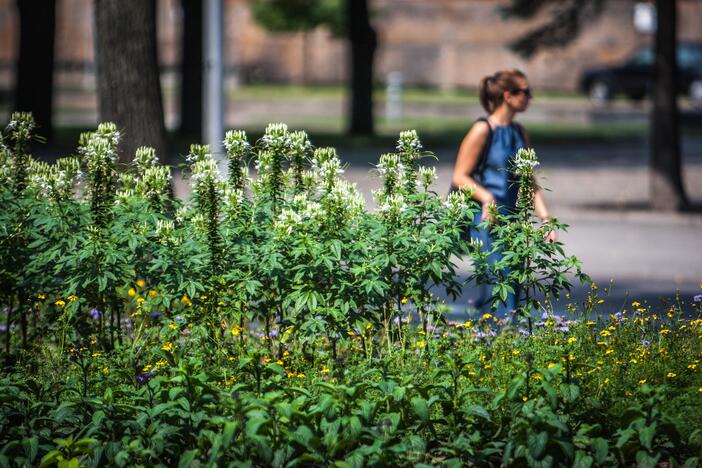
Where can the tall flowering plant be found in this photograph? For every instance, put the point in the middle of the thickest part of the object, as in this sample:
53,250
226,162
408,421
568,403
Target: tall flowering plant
530,263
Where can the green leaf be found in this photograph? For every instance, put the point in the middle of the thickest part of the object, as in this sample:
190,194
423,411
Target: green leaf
187,459
420,407
537,444
600,449
644,460
646,435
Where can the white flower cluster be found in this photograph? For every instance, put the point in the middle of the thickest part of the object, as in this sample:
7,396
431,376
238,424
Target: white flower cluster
198,153
154,182
347,196
394,205
390,163
525,161
236,143
299,143
288,220
55,181
164,228
100,147
145,157
427,176
276,137
409,142
457,201
204,171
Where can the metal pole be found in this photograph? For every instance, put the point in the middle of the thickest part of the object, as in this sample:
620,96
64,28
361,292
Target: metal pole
213,115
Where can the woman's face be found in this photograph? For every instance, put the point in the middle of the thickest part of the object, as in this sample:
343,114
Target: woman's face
519,97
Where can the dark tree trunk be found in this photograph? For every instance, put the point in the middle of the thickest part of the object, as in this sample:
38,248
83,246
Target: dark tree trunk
667,191
35,67
191,70
129,90
363,42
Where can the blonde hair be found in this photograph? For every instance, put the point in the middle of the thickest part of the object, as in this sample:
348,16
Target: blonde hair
492,88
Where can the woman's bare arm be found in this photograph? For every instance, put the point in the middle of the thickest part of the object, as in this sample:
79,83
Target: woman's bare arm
466,160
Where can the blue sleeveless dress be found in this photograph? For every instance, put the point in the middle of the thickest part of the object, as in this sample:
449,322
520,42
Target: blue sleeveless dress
498,178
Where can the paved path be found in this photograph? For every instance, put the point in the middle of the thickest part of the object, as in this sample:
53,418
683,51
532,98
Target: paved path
602,193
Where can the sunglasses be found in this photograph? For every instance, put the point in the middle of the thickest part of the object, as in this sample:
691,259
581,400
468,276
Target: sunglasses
525,91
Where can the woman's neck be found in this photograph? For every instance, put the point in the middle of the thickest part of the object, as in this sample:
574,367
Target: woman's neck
503,115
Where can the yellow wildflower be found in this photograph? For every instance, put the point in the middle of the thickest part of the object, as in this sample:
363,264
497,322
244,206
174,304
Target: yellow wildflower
279,362
60,303
590,323
404,300
236,331
325,370
173,326
140,301
605,333
600,301
609,351
161,362
635,304
633,361
41,296
96,354
525,398
266,360
106,371
486,316
516,352
572,339
671,375
146,368
153,293
664,331
421,344
487,366
132,292
72,298
186,301
551,365
167,347
141,283
642,381
286,353
692,366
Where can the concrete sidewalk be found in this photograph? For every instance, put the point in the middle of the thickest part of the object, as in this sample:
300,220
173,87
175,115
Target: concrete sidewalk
649,256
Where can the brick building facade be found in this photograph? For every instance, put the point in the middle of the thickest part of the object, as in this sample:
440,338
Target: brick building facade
445,44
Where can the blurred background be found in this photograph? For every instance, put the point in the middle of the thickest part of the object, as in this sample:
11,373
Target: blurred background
616,118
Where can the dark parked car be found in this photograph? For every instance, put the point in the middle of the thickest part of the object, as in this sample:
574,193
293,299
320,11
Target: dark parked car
635,76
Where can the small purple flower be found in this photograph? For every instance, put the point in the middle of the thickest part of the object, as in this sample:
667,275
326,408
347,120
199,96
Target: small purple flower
145,377
155,315
3,328
563,328
645,343
274,333
127,323
524,332
544,316
618,316
94,313
179,318
697,298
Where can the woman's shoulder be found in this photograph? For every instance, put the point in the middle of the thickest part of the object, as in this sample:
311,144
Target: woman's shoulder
480,128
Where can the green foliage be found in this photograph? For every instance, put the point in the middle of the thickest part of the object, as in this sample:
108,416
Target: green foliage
300,15
277,321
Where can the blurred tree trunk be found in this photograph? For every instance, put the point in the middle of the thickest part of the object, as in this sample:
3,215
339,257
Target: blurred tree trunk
129,90
363,43
35,67
667,191
191,70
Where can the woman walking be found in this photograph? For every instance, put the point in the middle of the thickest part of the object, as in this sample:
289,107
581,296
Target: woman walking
484,160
